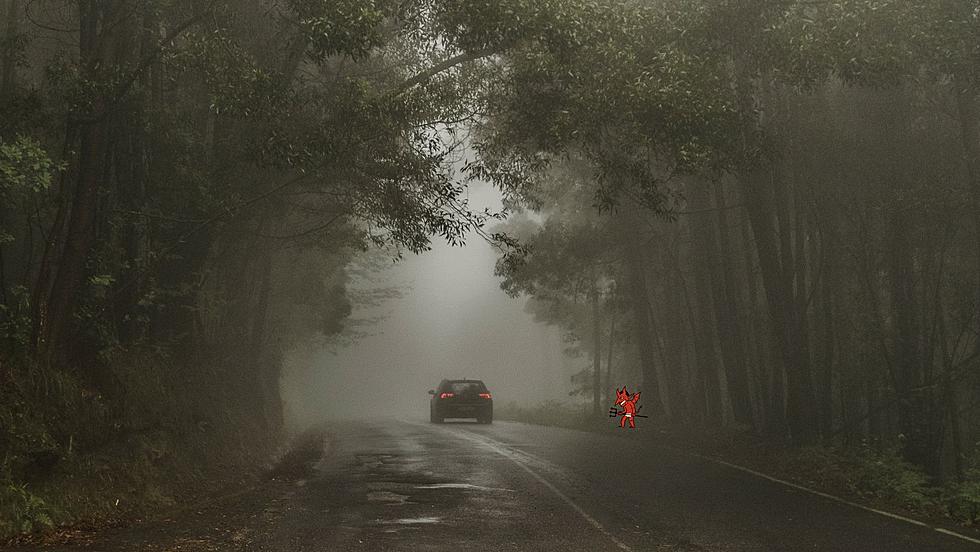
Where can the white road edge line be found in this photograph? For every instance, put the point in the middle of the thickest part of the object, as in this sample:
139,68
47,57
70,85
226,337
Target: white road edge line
503,451
741,469
828,496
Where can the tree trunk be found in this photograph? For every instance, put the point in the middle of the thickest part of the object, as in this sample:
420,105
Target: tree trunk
688,377
762,201
609,350
769,398
728,306
828,326
966,103
800,403
257,339
97,44
642,329
596,353
80,235
703,255
916,408
8,67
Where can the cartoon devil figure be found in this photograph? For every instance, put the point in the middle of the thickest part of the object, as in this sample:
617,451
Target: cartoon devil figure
628,404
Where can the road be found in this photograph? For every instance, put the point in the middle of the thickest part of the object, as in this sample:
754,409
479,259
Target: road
415,486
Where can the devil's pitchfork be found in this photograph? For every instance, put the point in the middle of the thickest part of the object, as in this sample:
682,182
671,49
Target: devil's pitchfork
628,403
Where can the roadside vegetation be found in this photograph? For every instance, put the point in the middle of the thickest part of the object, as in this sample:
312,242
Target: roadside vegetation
764,215
183,186
869,473
781,232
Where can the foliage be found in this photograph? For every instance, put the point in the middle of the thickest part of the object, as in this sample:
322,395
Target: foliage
825,124
24,167
963,498
23,512
180,204
782,194
348,28
863,471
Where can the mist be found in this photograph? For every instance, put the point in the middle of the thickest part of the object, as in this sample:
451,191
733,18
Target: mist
452,321
697,240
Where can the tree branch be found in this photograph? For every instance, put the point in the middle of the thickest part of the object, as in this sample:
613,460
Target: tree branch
144,63
440,67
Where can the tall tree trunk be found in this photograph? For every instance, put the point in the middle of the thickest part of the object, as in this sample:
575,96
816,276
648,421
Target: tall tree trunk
131,158
874,425
41,288
768,396
670,331
8,66
703,255
596,352
609,350
257,340
98,41
800,402
80,236
951,402
642,328
728,306
828,324
766,201
916,413
670,391
130,192
966,103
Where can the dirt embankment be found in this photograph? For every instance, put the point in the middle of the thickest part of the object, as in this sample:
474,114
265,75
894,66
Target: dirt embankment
182,499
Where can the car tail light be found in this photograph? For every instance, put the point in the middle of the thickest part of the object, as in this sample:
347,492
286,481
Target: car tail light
446,396
485,395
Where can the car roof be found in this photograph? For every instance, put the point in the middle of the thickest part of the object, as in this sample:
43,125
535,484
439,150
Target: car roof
449,381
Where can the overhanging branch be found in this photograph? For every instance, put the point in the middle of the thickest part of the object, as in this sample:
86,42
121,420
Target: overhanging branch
439,68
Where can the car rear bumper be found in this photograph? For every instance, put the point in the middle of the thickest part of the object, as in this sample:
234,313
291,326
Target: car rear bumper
465,410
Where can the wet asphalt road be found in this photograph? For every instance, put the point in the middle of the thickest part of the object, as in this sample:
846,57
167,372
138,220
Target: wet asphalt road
414,486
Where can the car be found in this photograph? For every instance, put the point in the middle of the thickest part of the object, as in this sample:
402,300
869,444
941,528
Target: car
462,398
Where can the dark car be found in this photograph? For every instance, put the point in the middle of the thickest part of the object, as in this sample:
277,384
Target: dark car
461,399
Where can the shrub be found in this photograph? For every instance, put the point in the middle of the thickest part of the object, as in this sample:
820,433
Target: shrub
553,413
21,511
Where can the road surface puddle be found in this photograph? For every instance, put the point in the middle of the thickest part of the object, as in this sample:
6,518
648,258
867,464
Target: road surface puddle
393,499
462,486
412,521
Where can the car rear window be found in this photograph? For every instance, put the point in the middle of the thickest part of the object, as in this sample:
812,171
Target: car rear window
465,387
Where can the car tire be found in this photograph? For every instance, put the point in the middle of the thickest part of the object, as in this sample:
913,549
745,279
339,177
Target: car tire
488,420
435,419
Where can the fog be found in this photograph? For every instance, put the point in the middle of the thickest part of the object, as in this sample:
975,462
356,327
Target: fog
452,320
762,216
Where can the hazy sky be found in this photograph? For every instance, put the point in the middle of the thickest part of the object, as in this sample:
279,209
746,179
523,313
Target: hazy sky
452,321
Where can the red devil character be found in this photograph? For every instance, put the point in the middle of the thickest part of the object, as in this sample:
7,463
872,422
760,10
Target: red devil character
628,404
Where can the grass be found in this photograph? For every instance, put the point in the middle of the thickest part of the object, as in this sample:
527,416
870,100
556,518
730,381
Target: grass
549,413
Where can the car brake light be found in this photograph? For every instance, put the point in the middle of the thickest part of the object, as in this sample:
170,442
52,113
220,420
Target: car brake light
485,395
446,396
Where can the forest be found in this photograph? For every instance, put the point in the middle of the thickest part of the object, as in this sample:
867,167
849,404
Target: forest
766,212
